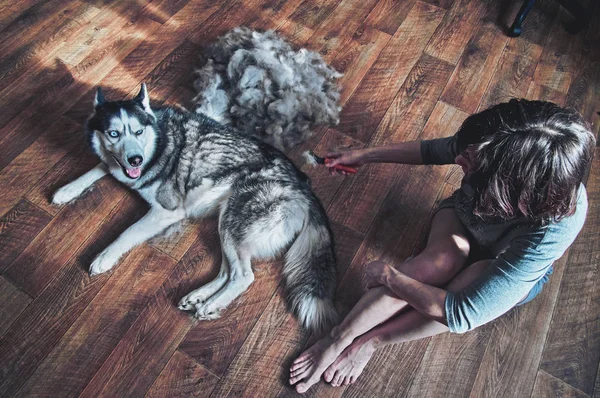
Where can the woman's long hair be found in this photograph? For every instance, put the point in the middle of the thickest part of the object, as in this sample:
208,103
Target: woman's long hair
532,156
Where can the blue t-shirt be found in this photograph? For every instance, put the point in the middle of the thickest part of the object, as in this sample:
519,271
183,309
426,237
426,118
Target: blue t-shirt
522,251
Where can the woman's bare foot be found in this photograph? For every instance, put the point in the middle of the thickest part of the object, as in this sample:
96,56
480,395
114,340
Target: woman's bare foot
311,364
350,364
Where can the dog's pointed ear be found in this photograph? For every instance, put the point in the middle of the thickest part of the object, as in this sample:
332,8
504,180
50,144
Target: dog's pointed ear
143,98
99,98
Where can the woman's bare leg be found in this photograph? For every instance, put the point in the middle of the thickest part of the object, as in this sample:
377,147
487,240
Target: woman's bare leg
445,254
407,326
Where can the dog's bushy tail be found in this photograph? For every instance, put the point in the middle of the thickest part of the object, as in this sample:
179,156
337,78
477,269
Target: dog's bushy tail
310,273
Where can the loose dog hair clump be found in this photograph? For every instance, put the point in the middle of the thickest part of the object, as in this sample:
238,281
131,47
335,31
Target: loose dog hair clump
256,83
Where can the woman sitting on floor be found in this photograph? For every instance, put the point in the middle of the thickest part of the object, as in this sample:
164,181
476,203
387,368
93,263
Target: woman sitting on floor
491,245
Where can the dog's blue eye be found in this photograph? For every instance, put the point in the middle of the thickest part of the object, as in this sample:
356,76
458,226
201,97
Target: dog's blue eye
113,134
139,132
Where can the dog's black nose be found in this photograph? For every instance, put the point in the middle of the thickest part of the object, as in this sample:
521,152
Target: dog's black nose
135,161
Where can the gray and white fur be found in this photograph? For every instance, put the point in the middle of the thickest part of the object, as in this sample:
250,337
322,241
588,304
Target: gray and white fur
186,165
256,83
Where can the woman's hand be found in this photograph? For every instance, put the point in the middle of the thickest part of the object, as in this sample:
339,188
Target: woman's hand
353,158
376,273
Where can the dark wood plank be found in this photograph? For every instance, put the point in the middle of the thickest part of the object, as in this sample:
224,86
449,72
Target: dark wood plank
261,366
458,26
182,377
18,228
514,73
360,197
214,344
544,93
30,167
548,386
13,302
388,15
446,4
274,13
233,13
100,327
560,58
356,58
477,64
389,381
450,364
74,164
152,339
584,92
312,13
50,250
371,99
31,22
509,365
347,243
44,322
10,10
338,29
572,350
295,33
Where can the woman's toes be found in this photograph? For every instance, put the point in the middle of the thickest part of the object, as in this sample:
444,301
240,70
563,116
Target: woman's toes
336,379
346,381
352,379
328,375
298,371
302,365
303,387
302,358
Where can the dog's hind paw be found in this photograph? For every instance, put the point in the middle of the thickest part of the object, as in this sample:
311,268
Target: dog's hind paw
206,313
185,305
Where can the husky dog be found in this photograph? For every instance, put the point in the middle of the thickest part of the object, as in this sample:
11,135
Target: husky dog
186,165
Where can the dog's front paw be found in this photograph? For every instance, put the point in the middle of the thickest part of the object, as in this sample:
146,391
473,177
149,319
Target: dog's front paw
207,312
65,194
103,263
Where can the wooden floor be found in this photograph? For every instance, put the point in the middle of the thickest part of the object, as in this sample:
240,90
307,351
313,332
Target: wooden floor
413,69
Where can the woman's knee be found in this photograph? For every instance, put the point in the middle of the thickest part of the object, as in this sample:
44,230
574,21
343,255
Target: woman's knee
437,264
448,253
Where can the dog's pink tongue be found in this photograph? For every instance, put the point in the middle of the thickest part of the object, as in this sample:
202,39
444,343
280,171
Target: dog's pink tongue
134,173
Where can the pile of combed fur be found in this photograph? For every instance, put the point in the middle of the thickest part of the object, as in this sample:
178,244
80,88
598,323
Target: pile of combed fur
258,84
